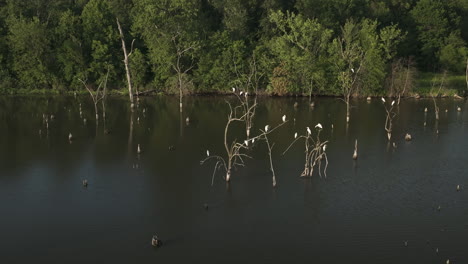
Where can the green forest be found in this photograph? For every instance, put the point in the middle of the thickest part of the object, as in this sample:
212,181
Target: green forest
276,47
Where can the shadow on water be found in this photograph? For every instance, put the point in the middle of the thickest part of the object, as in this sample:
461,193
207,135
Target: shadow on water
363,211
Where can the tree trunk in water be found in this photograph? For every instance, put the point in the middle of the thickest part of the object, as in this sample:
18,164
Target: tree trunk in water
347,110
127,69
96,112
466,73
180,101
180,88
228,175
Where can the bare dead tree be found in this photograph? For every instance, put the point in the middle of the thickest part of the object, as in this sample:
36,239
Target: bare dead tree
315,152
435,92
408,79
270,147
235,151
178,66
99,94
401,78
353,57
264,136
126,62
246,84
389,118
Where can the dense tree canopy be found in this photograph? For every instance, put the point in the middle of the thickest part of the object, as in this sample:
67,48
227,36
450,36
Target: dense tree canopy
291,47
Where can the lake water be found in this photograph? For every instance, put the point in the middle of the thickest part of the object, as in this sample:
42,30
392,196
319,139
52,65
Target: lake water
362,212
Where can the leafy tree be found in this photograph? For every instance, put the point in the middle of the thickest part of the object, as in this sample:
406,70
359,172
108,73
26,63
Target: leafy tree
70,53
217,66
360,55
159,23
30,64
100,39
300,46
435,21
454,53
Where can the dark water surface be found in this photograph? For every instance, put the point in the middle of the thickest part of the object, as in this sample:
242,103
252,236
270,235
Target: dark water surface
363,212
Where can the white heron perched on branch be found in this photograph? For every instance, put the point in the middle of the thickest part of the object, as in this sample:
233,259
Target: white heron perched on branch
393,102
266,128
246,142
233,89
207,153
284,118
241,93
295,135
383,100
308,131
319,126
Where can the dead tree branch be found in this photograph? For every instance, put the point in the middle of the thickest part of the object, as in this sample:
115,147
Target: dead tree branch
315,152
389,119
97,95
236,151
126,62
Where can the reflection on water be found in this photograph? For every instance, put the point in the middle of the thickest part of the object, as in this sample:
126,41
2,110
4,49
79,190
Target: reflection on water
364,211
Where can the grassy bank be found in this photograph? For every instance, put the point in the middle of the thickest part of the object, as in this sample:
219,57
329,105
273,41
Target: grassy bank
425,85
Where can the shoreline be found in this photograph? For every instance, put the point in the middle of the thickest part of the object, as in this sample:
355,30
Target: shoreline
118,93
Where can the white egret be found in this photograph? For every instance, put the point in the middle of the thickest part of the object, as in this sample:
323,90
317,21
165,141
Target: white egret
408,137
284,118
352,70
324,147
383,99
318,126
246,142
241,93
207,153
70,136
266,128
233,89
246,94
355,155
308,131
138,149
253,140
458,108
393,102
295,135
